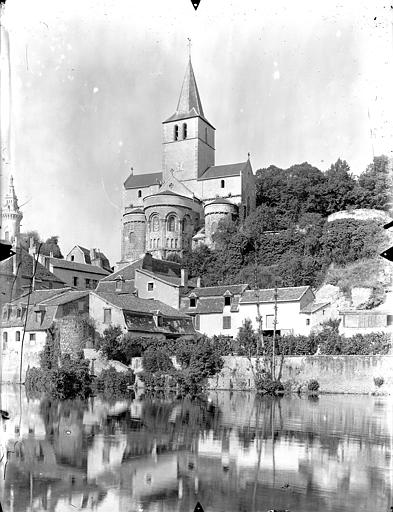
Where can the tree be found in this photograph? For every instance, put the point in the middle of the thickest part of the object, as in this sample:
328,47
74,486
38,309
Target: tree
247,339
340,189
376,184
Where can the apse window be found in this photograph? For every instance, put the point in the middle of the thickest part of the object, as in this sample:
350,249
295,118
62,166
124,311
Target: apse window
222,183
171,223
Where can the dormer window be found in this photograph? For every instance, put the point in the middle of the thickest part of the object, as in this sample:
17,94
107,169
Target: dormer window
184,130
175,132
222,183
227,300
192,302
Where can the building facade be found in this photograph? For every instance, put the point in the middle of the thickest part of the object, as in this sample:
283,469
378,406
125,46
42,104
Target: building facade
170,211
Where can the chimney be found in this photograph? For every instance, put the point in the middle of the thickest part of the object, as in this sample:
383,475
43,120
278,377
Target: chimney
198,282
148,262
183,277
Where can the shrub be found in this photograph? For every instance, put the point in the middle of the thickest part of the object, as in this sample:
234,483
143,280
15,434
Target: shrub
113,382
313,385
266,385
156,361
378,381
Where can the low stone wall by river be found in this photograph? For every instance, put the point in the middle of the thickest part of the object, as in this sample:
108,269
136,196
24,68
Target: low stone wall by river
335,374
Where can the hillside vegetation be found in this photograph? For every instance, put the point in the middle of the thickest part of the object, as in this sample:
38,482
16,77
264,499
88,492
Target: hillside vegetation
288,237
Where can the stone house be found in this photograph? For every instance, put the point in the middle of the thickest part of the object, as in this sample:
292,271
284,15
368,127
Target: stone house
222,310
139,317
27,320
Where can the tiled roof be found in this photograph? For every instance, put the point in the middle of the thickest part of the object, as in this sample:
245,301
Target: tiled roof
27,267
64,298
157,267
219,291
40,296
313,306
267,295
110,286
142,180
221,200
205,305
86,253
129,302
221,171
81,267
42,323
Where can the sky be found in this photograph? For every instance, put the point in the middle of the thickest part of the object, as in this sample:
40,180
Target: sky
92,82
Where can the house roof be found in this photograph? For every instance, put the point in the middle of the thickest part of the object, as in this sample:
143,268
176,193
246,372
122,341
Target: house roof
313,307
142,180
169,279
129,302
78,267
293,293
219,291
26,268
169,268
110,286
222,171
39,296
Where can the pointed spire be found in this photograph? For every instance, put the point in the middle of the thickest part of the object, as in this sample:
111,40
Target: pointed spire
189,100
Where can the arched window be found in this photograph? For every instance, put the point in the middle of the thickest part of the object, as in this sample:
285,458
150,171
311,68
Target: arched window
171,223
155,223
222,183
167,243
172,243
175,132
139,193
184,130
175,243
131,237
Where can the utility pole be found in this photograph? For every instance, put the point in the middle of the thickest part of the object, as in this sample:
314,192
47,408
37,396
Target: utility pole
274,329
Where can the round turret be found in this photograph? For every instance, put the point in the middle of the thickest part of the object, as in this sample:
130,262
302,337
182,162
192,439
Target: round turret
215,211
133,238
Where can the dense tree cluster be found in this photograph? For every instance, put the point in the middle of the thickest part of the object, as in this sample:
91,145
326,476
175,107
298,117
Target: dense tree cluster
50,246
287,238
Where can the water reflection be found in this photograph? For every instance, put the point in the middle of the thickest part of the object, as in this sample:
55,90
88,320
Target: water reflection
230,451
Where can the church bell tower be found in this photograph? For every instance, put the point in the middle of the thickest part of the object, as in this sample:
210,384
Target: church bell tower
188,138
11,216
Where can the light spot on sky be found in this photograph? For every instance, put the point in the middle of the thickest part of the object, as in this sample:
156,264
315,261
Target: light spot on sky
338,33
120,143
276,75
95,90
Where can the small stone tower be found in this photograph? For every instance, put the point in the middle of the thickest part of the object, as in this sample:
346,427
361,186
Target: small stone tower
215,211
11,216
133,241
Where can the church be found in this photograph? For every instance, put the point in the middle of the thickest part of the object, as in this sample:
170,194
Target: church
179,208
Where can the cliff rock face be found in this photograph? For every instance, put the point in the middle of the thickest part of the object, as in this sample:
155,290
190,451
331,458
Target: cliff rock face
361,214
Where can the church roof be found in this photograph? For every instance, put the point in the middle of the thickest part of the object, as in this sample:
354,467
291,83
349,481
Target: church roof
189,104
142,180
221,200
222,171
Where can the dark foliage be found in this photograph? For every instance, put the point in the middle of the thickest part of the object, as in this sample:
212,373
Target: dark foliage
111,383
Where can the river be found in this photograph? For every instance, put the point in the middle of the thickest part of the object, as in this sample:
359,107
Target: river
229,451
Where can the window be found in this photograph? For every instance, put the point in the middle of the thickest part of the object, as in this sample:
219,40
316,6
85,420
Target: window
5,340
175,243
94,283
72,257
32,336
307,321
222,183
131,237
38,316
171,223
193,302
227,300
150,287
197,322
17,336
155,223
18,313
184,130
119,285
175,132
107,316
75,281
269,322
139,193
7,236
87,282
226,322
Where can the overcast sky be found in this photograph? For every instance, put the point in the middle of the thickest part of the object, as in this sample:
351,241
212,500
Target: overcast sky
92,81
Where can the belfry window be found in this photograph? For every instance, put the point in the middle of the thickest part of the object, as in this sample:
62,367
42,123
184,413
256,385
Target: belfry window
184,130
222,183
175,132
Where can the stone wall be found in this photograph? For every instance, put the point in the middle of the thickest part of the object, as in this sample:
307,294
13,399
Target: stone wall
335,374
